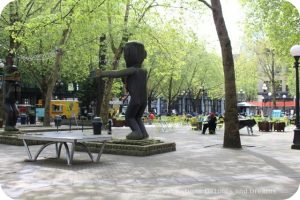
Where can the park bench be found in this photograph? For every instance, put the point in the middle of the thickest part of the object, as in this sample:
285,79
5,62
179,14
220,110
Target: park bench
164,124
63,139
248,123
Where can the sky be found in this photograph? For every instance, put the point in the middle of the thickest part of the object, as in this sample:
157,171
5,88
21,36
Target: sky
201,22
3,3
233,16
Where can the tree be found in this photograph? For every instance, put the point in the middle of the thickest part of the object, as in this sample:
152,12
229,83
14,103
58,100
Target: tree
266,64
247,74
165,63
276,22
120,29
14,13
49,50
231,134
203,71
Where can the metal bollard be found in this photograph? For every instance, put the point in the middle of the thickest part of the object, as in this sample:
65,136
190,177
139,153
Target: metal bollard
23,118
110,123
70,124
82,125
57,121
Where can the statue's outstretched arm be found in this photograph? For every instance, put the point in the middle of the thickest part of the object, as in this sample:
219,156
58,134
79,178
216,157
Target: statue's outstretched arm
113,73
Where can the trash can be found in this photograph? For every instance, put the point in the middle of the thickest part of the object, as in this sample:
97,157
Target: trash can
57,120
32,119
97,125
89,116
23,118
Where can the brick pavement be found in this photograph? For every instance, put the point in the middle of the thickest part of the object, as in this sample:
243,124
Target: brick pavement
266,168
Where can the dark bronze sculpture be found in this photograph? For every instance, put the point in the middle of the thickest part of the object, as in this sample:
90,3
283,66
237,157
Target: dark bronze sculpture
135,78
12,91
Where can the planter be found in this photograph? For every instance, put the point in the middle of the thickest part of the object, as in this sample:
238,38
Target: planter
118,123
32,119
292,121
279,126
197,126
265,126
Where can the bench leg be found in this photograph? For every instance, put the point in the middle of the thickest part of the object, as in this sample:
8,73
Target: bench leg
58,149
87,150
27,149
100,152
41,149
67,153
249,130
73,144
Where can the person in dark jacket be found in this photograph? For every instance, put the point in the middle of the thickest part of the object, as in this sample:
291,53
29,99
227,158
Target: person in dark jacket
211,124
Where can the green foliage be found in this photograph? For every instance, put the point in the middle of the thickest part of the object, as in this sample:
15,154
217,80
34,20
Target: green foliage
174,51
276,22
247,75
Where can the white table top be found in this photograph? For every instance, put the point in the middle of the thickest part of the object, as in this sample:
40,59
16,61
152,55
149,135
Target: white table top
65,137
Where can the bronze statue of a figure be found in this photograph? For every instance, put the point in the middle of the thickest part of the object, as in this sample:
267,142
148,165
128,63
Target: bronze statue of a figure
12,91
136,84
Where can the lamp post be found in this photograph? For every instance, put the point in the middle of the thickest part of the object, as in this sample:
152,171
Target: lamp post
264,87
270,94
270,110
59,87
295,52
202,101
284,96
183,110
1,73
262,106
241,94
1,64
1,91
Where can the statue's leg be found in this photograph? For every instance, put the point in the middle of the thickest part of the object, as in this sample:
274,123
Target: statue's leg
140,122
130,114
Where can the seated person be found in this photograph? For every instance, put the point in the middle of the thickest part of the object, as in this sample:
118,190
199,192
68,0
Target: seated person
211,124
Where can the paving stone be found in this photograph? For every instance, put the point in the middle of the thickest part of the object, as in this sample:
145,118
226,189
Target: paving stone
200,168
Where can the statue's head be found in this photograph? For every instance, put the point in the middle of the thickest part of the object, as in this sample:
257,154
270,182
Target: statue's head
134,54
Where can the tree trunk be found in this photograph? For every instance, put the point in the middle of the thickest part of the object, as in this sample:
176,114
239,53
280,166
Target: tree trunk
197,102
48,97
149,104
54,76
231,134
170,95
100,92
50,87
117,56
106,99
197,105
99,82
273,80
